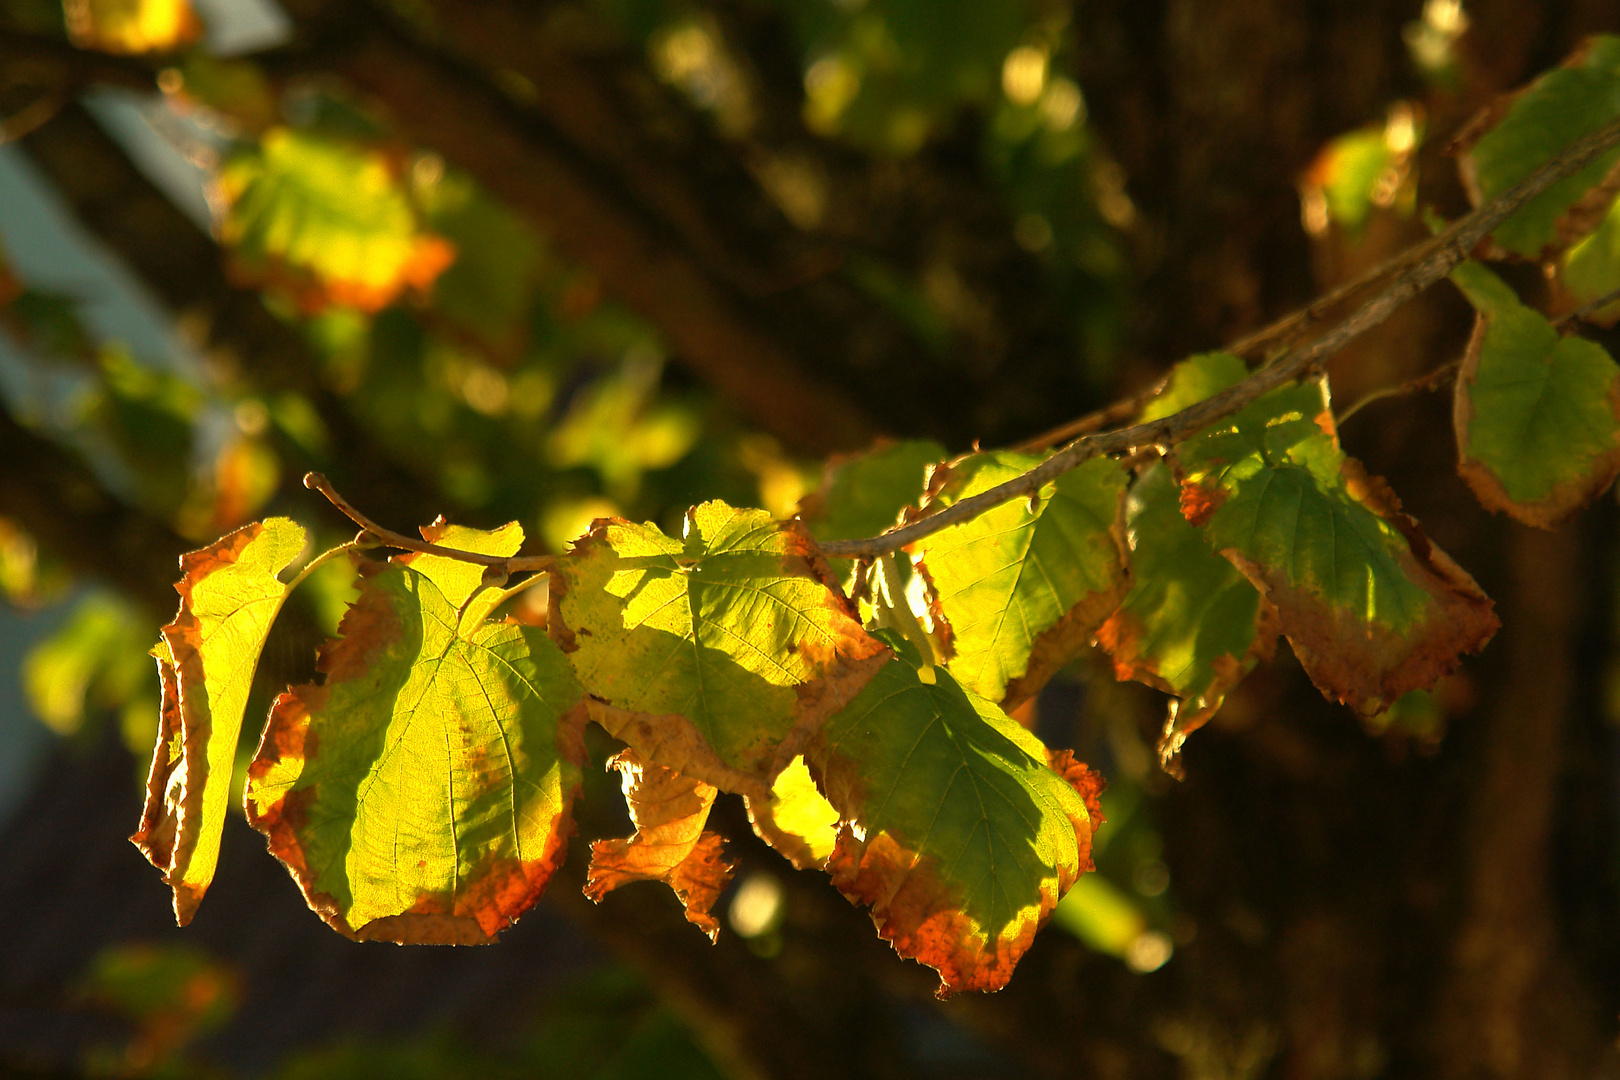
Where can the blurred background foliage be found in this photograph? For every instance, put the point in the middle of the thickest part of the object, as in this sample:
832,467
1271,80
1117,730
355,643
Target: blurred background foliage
552,261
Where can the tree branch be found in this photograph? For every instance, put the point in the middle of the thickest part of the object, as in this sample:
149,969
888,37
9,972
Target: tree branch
1441,254
389,538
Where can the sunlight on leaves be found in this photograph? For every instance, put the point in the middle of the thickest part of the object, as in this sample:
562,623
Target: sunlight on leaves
325,222
1018,591
421,792
1371,608
229,596
715,654
954,828
670,844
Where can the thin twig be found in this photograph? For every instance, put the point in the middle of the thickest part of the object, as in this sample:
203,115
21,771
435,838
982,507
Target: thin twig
1429,380
1581,314
388,538
1120,410
1444,252
1290,328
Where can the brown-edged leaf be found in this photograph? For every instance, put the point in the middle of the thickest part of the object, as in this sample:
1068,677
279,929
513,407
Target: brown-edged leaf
670,845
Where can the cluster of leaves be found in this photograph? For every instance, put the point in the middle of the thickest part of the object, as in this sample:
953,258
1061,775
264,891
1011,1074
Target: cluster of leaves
420,790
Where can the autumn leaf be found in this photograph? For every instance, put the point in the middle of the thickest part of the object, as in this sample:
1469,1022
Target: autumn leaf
1521,133
1537,414
954,828
716,654
863,494
1370,606
670,845
421,792
1192,624
1018,591
229,596
327,222
131,26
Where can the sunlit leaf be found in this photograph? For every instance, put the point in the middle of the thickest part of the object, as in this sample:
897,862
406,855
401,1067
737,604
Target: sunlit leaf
1019,591
670,845
327,222
1370,606
714,655
863,494
1524,131
796,820
1537,414
131,26
421,792
1192,625
229,596
958,828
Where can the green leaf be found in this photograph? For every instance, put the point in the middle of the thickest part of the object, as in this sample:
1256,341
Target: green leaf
1590,270
714,655
863,494
1192,625
326,222
1193,380
1537,415
229,596
957,827
1535,124
1370,606
421,792
1017,592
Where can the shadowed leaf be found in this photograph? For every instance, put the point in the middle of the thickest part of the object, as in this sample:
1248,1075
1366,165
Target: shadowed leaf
670,845
715,655
1017,592
863,494
1193,380
1371,608
1192,625
955,830
421,793
1537,415
229,596
1522,133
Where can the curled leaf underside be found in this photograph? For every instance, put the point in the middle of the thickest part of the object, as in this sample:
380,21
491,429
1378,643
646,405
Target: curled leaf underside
670,845
229,596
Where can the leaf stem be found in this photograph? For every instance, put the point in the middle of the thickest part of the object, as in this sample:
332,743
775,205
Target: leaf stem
315,564
388,538
1413,272
507,593
1430,380
1564,323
